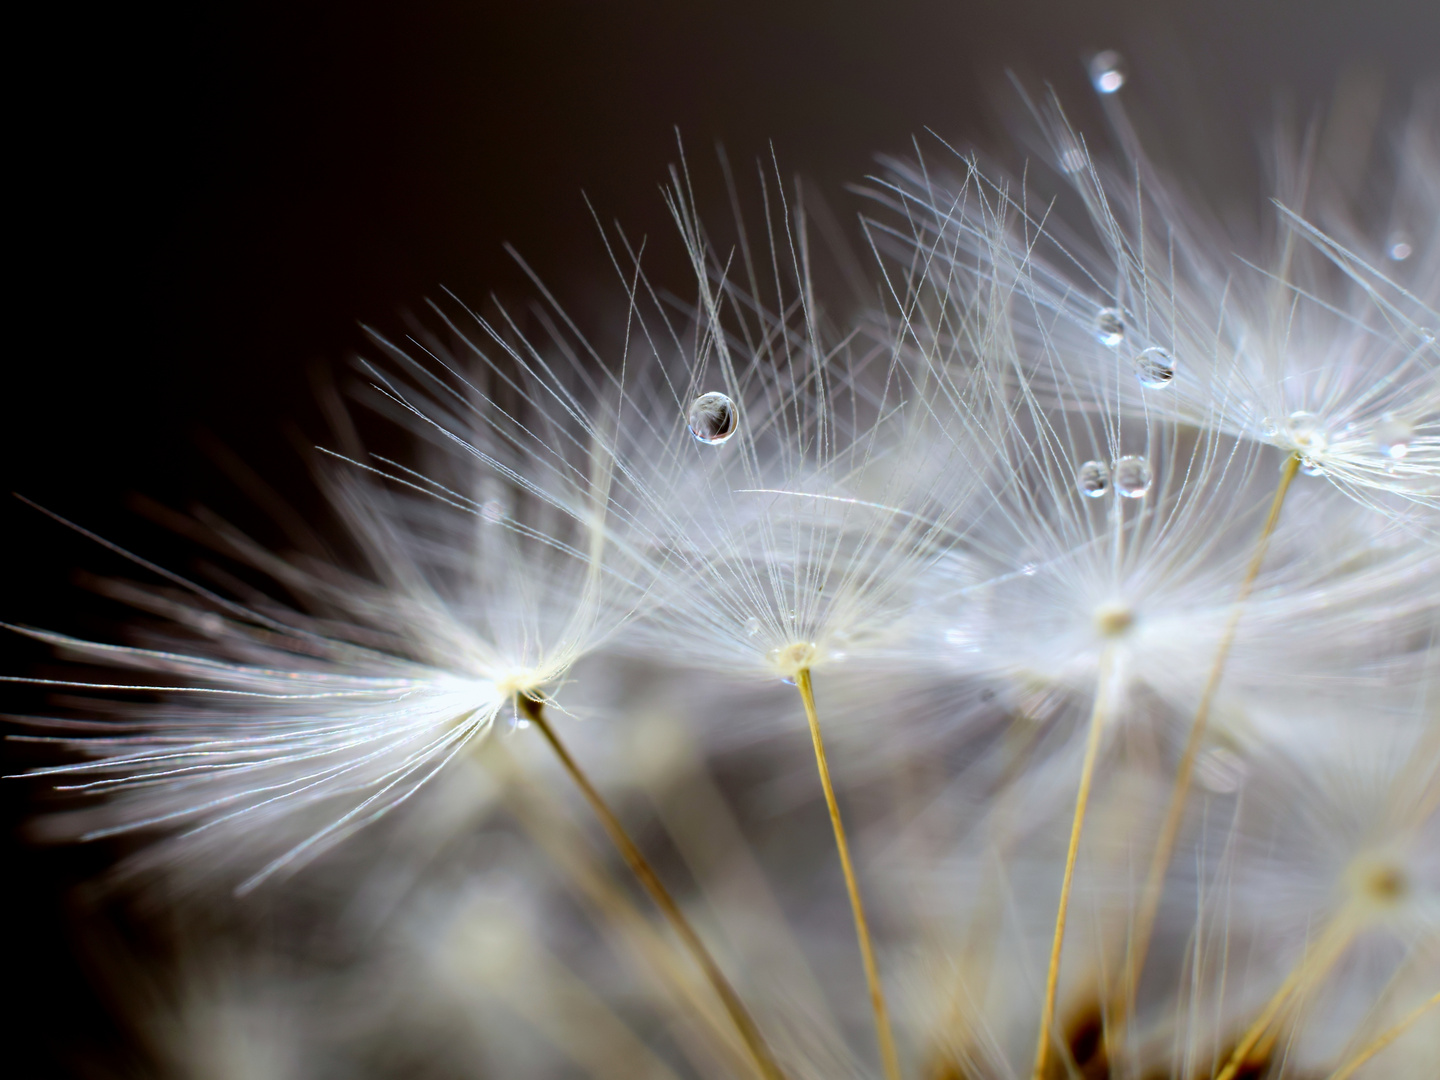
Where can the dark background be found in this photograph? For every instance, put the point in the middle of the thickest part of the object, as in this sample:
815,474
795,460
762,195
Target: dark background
204,202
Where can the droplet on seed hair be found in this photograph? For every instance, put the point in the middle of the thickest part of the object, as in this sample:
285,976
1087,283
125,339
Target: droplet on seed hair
1109,327
713,418
1132,476
1392,436
752,626
1107,71
1306,433
1399,247
1155,368
1093,479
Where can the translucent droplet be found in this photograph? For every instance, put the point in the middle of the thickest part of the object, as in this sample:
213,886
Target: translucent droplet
1306,432
1221,770
713,418
752,626
1072,159
1132,476
1093,479
1399,247
1392,436
493,511
1109,327
1107,71
1310,467
1269,428
1155,367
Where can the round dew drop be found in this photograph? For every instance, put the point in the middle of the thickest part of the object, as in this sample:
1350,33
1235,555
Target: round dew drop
1093,479
713,418
1107,71
1109,327
1399,248
1392,436
1132,477
1155,368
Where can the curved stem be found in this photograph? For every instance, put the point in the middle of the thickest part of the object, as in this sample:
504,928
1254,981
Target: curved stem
645,874
1082,799
888,1056
1174,815
1385,1039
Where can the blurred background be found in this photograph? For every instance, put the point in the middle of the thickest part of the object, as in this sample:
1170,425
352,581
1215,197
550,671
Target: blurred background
209,200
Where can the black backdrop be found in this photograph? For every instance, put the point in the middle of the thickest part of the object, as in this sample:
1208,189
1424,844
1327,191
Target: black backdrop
204,202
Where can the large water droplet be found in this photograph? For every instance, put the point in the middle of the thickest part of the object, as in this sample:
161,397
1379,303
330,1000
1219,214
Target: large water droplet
1109,327
1155,367
1393,435
713,418
1107,71
1399,247
1306,432
1132,476
1093,479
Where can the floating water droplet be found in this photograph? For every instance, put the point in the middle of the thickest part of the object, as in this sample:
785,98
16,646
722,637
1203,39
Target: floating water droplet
1109,327
1221,770
1399,247
1132,476
713,418
1155,367
1093,478
1072,159
752,626
493,511
1107,71
1393,435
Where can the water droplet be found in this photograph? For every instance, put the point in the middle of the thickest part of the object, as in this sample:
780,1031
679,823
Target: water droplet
1221,770
752,626
1093,478
713,418
1307,434
1155,367
1028,568
1132,476
1399,247
1269,428
1107,71
1427,335
1109,327
493,511
1310,467
1393,435
1072,159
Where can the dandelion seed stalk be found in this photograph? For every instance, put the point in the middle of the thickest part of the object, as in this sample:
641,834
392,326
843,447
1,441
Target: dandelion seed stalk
640,866
888,1055
1385,1038
1082,799
1184,774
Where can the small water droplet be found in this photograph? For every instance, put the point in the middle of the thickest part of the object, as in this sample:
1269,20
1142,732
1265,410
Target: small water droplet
713,418
1221,770
1132,476
1427,335
1269,428
1109,327
1093,479
493,511
1072,159
1393,435
1399,247
1107,71
752,626
1155,367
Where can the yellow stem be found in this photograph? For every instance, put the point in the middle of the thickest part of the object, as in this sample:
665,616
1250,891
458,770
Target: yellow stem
1384,1039
1174,815
645,874
1316,963
888,1056
1082,799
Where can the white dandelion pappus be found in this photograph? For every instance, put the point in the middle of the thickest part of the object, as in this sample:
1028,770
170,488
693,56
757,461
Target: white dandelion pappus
481,586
